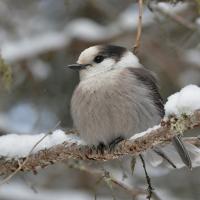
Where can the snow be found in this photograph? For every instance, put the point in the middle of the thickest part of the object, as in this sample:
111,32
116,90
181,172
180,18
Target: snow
13,145
184,102
86,29
26,118
138,135
128,19
81,28
29,47
173,8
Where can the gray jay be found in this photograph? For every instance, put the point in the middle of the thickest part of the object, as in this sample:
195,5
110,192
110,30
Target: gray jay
116,98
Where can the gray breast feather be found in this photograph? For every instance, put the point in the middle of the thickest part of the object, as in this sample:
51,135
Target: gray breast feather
113,105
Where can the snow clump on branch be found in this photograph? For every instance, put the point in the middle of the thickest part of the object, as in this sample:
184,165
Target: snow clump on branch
184,102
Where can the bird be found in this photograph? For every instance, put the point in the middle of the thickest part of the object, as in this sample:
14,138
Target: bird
116,98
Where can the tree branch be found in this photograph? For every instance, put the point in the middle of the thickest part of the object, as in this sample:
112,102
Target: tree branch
159,135
139,28
109,179
176,18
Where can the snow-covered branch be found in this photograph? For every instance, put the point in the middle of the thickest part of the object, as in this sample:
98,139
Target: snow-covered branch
28,153
73,148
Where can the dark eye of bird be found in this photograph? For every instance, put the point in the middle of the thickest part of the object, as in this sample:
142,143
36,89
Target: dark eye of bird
98,59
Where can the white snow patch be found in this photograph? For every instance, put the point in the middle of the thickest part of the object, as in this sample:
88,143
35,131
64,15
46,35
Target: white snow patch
82,28
138,135
86,29
30,47
173,8
13,145
184,102
128,19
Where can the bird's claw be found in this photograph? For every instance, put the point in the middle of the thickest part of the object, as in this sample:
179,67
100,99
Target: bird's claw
114,143
101,148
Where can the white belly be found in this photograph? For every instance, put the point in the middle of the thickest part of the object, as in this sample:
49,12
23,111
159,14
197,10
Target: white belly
103,109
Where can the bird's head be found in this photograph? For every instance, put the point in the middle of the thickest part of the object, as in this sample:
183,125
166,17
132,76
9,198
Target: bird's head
100,59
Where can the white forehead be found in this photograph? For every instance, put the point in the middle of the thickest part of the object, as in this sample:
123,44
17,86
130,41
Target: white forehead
88,54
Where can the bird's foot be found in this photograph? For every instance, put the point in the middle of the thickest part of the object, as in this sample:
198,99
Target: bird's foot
101,148
114,143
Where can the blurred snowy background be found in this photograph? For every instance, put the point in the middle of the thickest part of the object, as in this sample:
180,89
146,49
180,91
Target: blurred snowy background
39,38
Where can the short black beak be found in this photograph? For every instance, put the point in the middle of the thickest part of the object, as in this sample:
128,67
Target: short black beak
77,66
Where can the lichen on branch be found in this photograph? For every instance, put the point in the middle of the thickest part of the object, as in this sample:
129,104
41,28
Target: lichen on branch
5,73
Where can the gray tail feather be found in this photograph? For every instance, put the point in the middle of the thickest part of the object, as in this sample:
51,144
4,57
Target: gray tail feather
182,151
171,156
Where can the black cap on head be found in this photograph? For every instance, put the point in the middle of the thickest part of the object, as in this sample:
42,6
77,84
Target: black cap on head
112,51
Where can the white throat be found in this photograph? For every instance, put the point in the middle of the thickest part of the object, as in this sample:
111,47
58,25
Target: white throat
109,64
99,69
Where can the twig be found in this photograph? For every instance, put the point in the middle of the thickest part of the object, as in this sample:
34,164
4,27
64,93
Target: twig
150,188
139,28
105,176
176,18
5,180
160,135
164,156
193,140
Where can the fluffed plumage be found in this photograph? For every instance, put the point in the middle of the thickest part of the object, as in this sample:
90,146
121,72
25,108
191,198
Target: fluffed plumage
117,98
